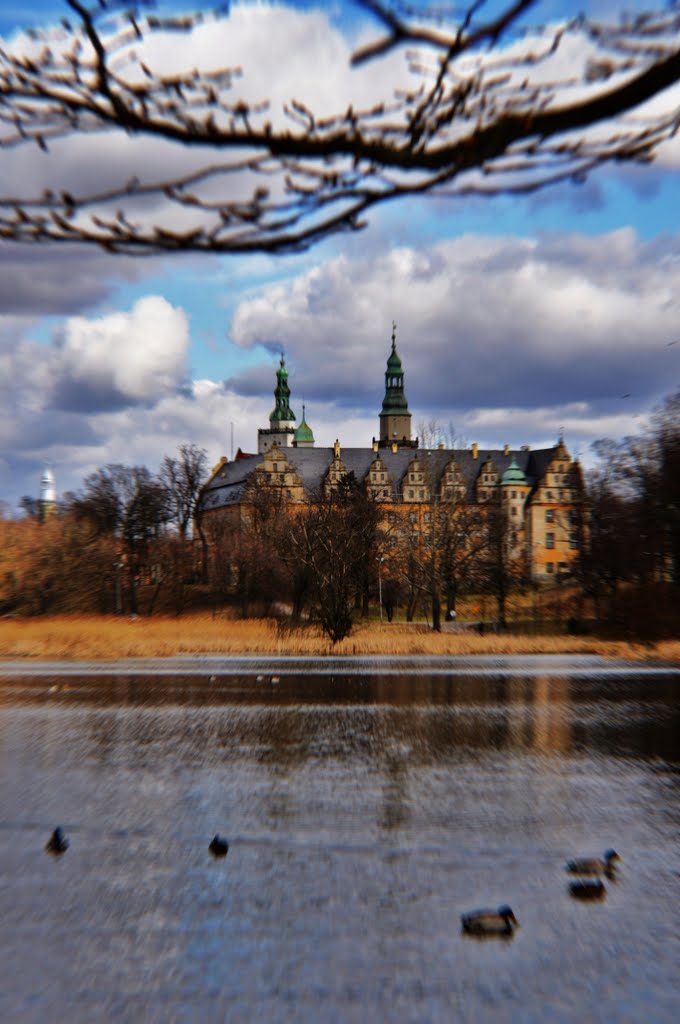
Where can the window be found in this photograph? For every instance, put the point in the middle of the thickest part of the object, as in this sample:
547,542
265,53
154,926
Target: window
513,511
573,540
550,540
550,567
562,566
573,516
426,517
549,496
412,517
550,515
275,467
513,494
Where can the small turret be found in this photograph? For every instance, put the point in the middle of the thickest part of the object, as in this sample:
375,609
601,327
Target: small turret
304,438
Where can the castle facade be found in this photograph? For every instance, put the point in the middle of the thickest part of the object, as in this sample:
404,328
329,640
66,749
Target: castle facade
538,493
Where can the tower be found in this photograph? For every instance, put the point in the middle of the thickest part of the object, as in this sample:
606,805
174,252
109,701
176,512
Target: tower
395,418
282,418
48,494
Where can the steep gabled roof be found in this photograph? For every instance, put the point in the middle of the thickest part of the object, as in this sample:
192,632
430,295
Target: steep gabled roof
227,485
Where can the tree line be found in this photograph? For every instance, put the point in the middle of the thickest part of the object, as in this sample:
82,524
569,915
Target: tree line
133,542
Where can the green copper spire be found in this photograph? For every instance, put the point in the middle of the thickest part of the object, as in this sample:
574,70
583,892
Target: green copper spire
282,412
304,438
395,419
394,402
513,475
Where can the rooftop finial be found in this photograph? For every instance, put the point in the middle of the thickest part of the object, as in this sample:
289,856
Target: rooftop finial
394,335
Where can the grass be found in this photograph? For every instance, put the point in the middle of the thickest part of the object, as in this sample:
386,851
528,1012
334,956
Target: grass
105,637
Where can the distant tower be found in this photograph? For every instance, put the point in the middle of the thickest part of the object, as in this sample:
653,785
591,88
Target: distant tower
282,419
48,494
395,418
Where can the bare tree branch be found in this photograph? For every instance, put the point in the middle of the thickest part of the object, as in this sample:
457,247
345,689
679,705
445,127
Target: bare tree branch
483,106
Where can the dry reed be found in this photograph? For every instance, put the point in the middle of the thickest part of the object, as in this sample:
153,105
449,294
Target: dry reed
100,637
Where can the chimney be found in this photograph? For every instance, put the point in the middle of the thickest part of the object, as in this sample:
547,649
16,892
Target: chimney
475,450
506,449
395,447
375,445
336,449
441,446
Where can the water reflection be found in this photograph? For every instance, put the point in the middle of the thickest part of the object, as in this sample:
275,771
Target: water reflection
364,815
635,716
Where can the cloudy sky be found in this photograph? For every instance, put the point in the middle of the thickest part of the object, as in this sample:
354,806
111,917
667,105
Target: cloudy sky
516,318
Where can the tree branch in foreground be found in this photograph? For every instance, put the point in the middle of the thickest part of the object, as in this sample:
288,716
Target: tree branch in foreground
480,107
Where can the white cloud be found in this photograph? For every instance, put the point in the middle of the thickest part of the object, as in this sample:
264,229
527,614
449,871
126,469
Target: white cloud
138,356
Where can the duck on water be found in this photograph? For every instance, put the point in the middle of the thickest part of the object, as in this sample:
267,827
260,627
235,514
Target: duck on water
595,866
490,922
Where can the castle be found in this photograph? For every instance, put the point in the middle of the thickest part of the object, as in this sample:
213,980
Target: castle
538,491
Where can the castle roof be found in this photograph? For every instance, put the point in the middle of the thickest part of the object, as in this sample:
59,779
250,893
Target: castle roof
228,484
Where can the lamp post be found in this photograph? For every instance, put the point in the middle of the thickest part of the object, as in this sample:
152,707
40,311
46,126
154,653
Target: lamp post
380,562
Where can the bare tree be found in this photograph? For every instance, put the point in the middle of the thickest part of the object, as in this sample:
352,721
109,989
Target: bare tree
483,105
183,478
128,501
332,538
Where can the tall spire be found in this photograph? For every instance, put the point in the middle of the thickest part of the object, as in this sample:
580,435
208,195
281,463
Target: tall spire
281,429
282,412
395,418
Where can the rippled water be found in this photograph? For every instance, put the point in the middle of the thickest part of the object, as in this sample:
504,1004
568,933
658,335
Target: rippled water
365,813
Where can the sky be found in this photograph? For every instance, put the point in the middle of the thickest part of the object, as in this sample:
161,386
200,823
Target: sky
518,319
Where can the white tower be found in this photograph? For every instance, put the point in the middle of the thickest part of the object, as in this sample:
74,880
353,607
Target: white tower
48,493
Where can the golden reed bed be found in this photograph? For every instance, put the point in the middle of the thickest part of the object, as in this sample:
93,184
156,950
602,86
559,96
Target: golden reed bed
100,637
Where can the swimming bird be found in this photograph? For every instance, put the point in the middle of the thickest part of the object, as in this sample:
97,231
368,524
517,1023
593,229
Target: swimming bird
490,922
219,847
604,865
588,889
57,843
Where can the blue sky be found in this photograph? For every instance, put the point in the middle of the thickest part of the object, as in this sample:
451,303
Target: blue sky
516,317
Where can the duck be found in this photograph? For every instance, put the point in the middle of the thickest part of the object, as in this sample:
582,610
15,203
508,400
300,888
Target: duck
588,889
57,843
604,865
219,847
490,922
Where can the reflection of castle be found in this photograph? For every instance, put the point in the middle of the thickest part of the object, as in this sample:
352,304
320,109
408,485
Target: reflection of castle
538,491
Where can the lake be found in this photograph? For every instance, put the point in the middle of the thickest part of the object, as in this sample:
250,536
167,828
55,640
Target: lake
367,805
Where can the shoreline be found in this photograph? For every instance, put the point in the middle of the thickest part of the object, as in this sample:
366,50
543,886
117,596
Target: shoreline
109,639
270,669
